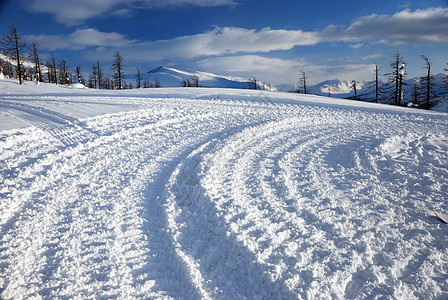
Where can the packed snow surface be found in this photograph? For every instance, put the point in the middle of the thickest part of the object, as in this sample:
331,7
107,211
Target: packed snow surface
218,194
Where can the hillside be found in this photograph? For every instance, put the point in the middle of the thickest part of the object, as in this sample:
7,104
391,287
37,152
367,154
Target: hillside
171,77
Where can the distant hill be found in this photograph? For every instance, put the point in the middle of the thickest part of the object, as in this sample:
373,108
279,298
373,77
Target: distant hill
343,89
171,77
336,87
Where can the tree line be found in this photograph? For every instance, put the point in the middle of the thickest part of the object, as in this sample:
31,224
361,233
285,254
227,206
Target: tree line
19,55
424,92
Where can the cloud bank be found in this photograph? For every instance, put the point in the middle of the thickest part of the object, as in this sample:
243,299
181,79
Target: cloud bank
81,39
277,71
420,26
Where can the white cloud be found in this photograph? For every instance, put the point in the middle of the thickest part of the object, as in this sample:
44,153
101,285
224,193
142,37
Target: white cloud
80,40
230,40
371,56
357,46
52,42
271,70
218,41
280,71
359,72
420,26
75,12
93,37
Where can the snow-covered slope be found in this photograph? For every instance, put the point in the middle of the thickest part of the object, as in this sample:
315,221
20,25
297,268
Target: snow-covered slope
25,63
343,88
170,77
335,87
177,193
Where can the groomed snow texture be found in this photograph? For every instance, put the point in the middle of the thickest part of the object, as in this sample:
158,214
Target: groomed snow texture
181,194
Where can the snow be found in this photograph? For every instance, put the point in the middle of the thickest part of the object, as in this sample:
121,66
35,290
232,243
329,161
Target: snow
171,77
187,193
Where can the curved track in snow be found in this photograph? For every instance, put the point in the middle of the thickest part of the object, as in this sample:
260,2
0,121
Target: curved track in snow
224,199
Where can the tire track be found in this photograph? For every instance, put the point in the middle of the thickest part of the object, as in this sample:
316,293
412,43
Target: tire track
81,229
68,130
308,242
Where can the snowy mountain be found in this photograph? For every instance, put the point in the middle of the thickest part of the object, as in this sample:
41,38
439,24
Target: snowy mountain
366,90
343,88
336,87
171,77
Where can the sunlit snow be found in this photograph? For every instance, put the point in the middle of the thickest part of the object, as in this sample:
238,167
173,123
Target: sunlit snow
186,193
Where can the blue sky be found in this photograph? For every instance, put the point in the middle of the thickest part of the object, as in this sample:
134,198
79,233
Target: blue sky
270,40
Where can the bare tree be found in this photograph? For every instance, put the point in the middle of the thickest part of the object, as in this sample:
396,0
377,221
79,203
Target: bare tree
396,77
377,84
94,77
53,63
12,46
253,83
446,78
99,74
185,82
117,65
157,83
2,67
34,56
415,94
354,87
195,80
138,80
79,76
427,83
303,77
64,77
